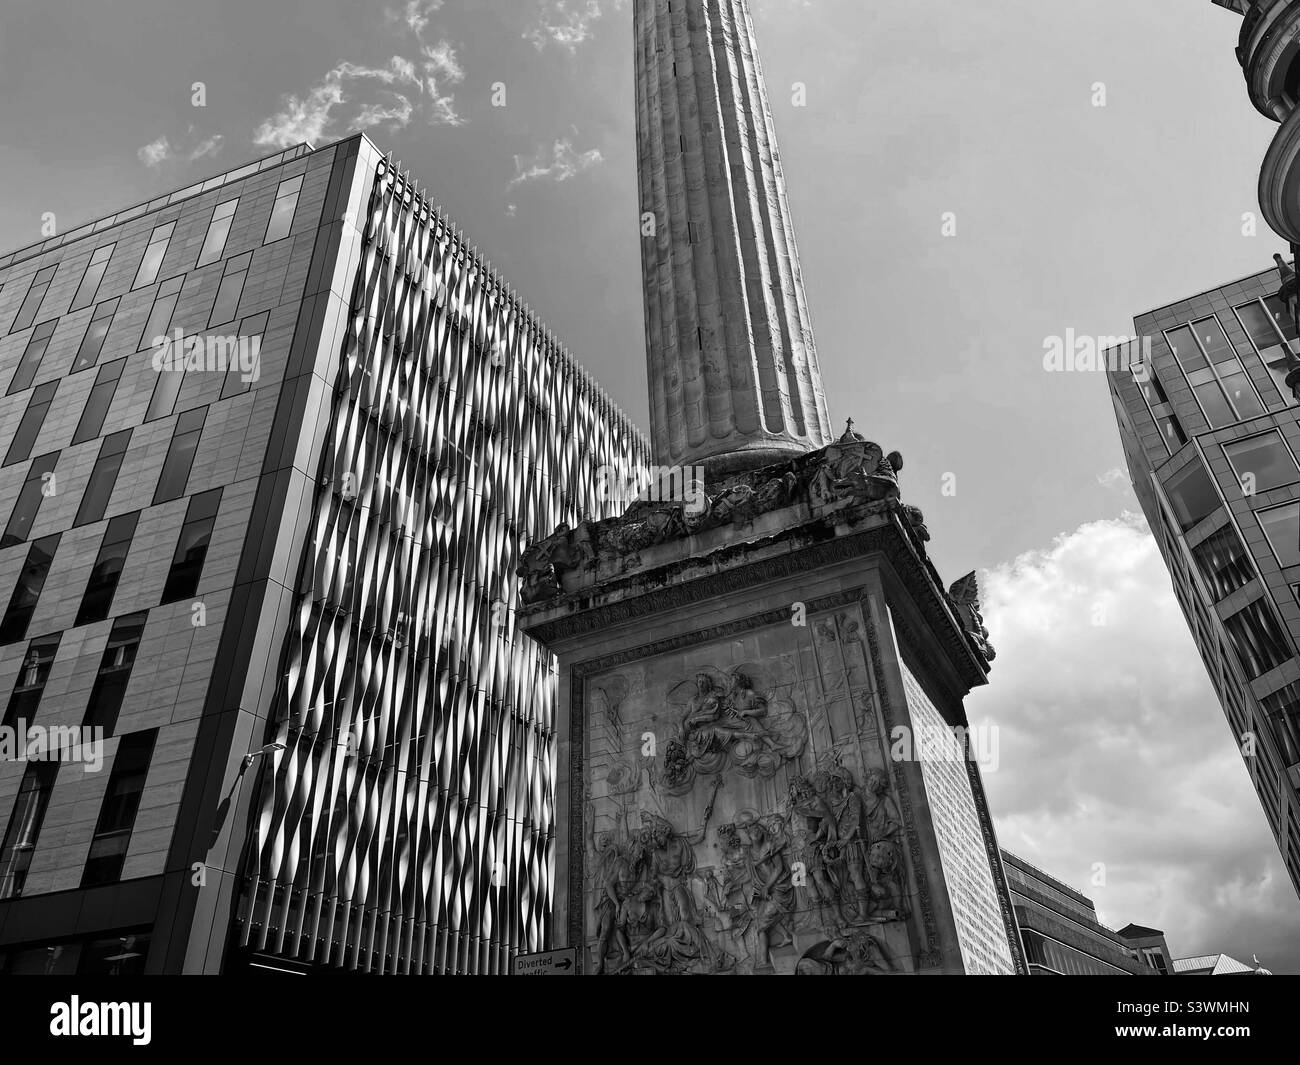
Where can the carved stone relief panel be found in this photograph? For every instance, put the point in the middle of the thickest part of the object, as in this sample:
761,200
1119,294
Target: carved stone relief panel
741,813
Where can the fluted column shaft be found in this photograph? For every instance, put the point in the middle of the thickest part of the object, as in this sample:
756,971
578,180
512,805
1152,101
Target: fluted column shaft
733,373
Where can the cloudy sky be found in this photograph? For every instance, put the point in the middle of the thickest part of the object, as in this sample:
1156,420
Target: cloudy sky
1069,216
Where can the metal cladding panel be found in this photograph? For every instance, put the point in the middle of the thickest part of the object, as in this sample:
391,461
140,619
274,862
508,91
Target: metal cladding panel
407,825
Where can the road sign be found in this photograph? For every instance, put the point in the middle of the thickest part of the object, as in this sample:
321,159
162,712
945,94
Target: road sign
562,962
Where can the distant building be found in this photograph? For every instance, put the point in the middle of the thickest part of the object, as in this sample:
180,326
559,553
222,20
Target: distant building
275,580
1210,434
1216,965
1061,933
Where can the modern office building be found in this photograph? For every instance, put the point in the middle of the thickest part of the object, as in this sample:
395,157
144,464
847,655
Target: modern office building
1063,937
1216,965
271,563
1209,431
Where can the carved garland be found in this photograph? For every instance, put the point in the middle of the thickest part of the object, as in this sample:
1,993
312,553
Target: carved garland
885,540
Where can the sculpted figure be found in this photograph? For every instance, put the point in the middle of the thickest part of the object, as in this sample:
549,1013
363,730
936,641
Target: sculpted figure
965,598
805,800
883,831
672,863
773,891
846,854
615,881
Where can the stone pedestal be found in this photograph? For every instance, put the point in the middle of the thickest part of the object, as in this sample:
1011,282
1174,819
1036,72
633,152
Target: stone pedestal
757,768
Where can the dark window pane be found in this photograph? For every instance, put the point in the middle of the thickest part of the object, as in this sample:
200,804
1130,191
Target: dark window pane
103,477
30,426
1282,527
93,342
30,685
120,805
147,274
97,403
1213,340
1184,347
1262,462
159,322
97,601
32,301
286,200
1192,494
192,547
32,356
244,370
1218,411
90,280
1260,642
218,230
1241,390
1172,432
1223,563
180,456
27,592
40,480
232,287
25,826
114,673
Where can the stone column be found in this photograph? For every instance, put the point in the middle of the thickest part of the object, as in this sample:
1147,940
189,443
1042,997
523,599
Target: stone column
733,374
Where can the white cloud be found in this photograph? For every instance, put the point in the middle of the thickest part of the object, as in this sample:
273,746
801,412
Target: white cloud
1114,753
1115,478
567,23
414,14
562,163
310,117
209,146
155,153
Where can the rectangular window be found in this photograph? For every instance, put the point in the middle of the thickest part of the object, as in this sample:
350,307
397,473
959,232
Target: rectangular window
27,592
218,230
28,503
192,547
242,370
20,450
1223,563
32,675
32,356
117,814
1172,431
160,314
1262,327
98,402
93,342
89,287
1282,527
1192,494
167,385
97,600
1283,710
180,456
153,255
32,301
286,202
232,287
114,673
1214,372
25,826
1262,462
99,489
1260,642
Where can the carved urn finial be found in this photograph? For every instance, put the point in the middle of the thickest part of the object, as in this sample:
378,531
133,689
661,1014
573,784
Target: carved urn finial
849,434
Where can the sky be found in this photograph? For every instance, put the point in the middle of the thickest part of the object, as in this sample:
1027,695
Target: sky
964,189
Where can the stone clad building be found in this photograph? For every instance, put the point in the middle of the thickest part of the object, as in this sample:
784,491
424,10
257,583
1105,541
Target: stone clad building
278,578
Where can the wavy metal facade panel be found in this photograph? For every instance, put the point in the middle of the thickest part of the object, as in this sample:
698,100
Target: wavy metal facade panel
407,824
